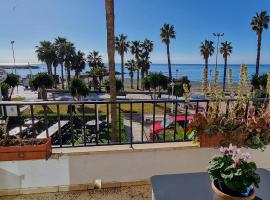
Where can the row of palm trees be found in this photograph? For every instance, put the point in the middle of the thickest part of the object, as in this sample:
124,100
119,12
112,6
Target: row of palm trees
141,60
258,24
63,52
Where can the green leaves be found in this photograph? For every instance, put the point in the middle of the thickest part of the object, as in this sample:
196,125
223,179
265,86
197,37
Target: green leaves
236,176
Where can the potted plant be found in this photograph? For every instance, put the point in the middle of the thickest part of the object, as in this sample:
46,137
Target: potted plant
17,148
233,175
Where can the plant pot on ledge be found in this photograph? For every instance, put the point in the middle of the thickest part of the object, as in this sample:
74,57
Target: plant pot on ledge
210,140
224,196
28,150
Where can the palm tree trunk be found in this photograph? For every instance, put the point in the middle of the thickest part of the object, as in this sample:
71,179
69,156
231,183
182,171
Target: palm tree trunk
169,62
131,79
206,69
138,77
225,73
109,6
49,68
62,75
142,77
12,89
258,53
54,78
122,71
68,73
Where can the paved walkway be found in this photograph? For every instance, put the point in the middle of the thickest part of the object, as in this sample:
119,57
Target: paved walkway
124,193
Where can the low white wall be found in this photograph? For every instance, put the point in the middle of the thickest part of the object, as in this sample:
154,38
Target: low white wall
109,167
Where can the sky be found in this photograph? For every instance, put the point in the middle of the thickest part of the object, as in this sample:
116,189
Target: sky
83,22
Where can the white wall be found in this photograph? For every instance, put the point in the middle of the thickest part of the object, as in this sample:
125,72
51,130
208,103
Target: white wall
113,166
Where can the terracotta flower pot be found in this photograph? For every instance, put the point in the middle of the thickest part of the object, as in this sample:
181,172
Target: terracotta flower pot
207,140
223,196
27,152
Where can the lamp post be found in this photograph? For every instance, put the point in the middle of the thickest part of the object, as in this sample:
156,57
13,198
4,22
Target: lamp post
218,35
12,47
172,85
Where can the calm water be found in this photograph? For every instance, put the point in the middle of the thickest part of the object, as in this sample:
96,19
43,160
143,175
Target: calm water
193,71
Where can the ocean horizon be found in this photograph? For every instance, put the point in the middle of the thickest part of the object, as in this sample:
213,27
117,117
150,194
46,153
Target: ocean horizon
192,71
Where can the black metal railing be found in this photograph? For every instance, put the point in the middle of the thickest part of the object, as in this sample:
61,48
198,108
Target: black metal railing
88,123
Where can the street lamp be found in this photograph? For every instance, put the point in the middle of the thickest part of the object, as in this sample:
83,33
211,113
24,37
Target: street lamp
217,35
12,47
172,84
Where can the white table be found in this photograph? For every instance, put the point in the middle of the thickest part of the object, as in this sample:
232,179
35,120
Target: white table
53,129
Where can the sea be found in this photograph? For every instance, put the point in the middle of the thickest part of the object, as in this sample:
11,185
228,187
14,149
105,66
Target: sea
192,71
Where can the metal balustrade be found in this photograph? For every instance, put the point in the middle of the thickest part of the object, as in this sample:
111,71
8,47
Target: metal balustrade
88,123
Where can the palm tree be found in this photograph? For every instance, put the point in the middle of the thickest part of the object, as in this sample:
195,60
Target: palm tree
135,49
70,51
225,50
60,44
259,23
109,6
46,53
207,49
144,65
78,63
94,59
41,81
121,46
147,47
98,72
131,67
167,32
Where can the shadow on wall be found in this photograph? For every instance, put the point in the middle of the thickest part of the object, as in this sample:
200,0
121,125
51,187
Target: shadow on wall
10,180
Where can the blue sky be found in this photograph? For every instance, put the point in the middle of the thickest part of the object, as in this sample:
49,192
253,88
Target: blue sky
83,22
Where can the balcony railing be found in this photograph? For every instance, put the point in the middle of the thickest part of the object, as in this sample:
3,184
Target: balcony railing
88,123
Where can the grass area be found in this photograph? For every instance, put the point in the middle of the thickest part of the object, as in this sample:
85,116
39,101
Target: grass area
17,99
90,109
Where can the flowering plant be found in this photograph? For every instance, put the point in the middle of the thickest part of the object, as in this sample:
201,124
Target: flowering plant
233,170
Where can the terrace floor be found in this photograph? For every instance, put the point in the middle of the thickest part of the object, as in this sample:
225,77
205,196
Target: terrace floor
123,193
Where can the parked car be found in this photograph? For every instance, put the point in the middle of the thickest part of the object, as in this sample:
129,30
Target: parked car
159,127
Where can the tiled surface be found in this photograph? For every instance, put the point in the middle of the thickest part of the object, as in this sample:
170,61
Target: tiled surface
123,193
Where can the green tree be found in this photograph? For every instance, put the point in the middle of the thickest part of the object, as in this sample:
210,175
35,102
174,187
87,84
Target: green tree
155,81
70,52
4,90
41,81
119,85
225,50
96,64
94,59
207,49
78,88
12,80
135,49
147,47
98,72
131,67
109,7
60,44
178,89
121,46
258,23
167,33
78,63
46,52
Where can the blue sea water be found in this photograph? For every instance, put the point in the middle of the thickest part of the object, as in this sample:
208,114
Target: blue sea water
193,71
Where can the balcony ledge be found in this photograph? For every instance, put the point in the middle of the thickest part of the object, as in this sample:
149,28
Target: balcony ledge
122,148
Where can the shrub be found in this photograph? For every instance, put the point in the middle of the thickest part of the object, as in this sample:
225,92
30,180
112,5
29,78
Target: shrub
119,85
178,87
78,88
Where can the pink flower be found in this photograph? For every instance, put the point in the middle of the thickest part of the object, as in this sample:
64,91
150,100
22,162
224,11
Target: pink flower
223,150
246,156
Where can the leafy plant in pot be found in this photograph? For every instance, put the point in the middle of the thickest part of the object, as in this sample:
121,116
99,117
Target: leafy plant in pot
233,175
